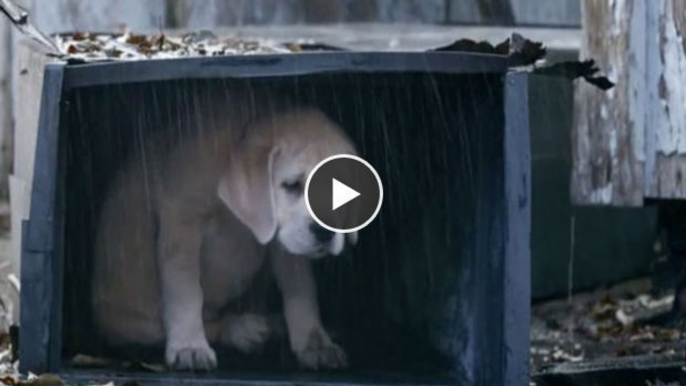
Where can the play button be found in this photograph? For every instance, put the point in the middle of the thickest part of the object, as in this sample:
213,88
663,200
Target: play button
343,193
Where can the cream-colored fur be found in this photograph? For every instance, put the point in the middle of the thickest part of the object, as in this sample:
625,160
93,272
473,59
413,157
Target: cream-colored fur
183,232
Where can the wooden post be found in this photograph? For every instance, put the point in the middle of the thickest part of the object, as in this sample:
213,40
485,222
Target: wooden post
630,143
665,99
608,136
5,107
30,67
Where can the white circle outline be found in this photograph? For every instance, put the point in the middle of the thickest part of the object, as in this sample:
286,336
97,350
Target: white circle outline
378,182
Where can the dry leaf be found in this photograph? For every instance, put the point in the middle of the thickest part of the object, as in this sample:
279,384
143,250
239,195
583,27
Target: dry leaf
81,360
43,380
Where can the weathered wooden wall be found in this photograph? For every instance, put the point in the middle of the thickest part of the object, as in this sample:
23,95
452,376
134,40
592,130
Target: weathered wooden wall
190,13
630,143
99,15
515,12
62,15
608,155
194,14
665,114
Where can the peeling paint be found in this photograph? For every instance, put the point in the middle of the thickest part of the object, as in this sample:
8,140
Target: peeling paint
636,80
602,195
618,14
609,135
671,134
630,143
612,73
612,142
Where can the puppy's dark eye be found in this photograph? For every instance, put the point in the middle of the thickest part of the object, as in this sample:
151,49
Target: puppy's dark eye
293,187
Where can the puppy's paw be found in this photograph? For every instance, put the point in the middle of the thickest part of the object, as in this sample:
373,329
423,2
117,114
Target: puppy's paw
247,332
195,356
320,352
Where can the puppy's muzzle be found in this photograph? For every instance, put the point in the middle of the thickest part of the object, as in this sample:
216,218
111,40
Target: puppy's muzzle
321,234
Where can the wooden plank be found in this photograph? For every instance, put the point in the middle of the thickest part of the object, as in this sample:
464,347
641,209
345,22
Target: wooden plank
608,149
5,108
216,13
517,264
491,12
518,12
630,143
560,13
9,297
409,11
41,271
666,94
30,65
464,12
69,15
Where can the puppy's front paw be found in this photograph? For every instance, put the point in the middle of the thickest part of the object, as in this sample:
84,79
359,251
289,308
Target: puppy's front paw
195,356
247,332
320,352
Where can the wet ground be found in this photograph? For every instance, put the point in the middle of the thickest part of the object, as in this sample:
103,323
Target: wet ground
621,330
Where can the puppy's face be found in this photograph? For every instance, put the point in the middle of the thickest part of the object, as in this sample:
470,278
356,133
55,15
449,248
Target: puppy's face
265,188
297,231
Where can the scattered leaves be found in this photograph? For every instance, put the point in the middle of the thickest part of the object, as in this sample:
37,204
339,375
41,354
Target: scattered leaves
139,40
78,36
87,361
622,321
128,46
46,379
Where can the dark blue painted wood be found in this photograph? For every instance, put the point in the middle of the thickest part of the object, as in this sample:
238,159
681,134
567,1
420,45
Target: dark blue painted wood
489,253
86,377
254,66
40,268
517,268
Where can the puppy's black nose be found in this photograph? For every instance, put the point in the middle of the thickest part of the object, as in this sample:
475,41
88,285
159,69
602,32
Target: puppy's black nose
320,233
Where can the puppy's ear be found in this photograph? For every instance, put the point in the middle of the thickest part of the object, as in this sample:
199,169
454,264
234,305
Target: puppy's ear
247,190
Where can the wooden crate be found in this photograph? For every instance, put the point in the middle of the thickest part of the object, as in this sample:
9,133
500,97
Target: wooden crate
438,289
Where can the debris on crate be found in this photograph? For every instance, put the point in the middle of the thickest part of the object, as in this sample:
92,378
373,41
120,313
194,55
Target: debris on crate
87,46
522,52
128,46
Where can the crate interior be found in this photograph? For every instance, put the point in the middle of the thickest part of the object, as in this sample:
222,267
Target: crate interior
402,302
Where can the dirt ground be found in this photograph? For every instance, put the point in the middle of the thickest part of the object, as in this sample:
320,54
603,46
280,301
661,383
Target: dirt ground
607,324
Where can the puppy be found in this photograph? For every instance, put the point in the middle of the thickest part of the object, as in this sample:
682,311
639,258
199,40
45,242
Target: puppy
185,229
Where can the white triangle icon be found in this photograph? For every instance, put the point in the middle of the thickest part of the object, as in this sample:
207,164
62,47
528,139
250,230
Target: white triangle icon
342,194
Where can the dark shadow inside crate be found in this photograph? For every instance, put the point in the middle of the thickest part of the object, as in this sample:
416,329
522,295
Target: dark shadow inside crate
400,302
